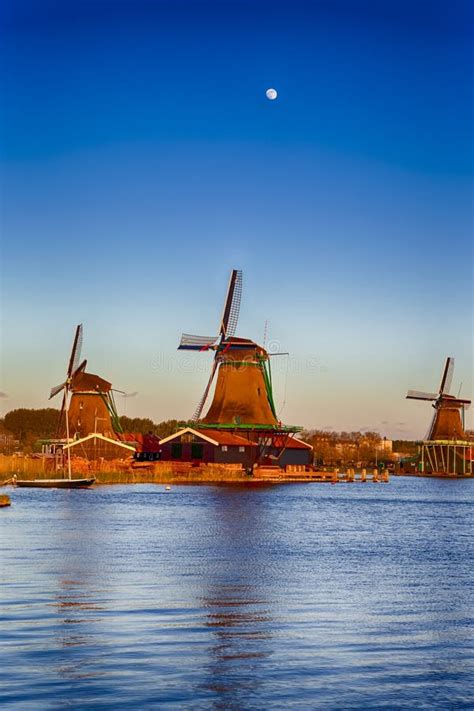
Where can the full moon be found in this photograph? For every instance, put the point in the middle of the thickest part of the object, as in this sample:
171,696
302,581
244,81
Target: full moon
271,94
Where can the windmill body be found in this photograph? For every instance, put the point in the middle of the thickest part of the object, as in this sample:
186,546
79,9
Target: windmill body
89,425
447,422
75,371
242,401
446,448
88,405
242,393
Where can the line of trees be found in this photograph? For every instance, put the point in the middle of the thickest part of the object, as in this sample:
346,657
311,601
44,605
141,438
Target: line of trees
23,427
347,447
145,425
27,425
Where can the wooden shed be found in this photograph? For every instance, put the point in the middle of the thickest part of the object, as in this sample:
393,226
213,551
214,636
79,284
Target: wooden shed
218,446
229,447
290,450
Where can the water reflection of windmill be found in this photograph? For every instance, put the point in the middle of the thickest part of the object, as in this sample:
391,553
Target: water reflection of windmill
238,596
445,447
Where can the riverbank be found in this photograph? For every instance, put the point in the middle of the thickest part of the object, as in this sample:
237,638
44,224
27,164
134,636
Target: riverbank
119,472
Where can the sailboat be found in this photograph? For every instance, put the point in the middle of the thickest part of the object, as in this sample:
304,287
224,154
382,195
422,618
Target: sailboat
73,370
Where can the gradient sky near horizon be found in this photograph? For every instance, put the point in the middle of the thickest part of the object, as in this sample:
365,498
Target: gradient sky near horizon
141,162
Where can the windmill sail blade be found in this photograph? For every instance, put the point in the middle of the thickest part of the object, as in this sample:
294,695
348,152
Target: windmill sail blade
61,415
196,343
56,390
447,378
417,395
76,351
202,402
430,428
80,368
230,315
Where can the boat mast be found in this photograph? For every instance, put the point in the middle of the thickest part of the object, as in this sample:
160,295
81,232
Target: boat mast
66,409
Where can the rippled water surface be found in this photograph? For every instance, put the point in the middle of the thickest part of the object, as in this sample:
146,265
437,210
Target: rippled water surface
309,596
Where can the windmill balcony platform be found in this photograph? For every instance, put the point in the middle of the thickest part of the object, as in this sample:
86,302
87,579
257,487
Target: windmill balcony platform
442,458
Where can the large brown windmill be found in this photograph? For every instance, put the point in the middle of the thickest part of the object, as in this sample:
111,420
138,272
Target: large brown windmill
447,422
88,404
243,394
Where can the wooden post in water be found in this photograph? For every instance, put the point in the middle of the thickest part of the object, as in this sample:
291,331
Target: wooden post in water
375,476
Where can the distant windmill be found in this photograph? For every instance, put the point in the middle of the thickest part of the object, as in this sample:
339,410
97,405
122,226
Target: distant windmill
243,393
88,405
446,423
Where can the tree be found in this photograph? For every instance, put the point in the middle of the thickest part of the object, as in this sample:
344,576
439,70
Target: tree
166,428
144,425
137,424
28,425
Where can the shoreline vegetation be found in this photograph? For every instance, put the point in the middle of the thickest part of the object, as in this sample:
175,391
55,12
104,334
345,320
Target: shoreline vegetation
127,471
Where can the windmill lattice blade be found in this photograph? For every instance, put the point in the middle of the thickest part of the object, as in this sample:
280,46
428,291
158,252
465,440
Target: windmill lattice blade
76,351
196,343
230,315
202,402
447,378
418,395
56,390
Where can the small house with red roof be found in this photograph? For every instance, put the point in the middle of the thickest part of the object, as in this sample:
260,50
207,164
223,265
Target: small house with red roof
216,446
196,445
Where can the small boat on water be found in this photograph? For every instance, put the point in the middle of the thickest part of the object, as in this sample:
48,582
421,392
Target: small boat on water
56,483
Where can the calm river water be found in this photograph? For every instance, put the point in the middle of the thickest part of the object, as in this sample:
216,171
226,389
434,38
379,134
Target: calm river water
305,596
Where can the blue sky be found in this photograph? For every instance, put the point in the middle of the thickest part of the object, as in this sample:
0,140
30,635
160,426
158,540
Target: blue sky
141,161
